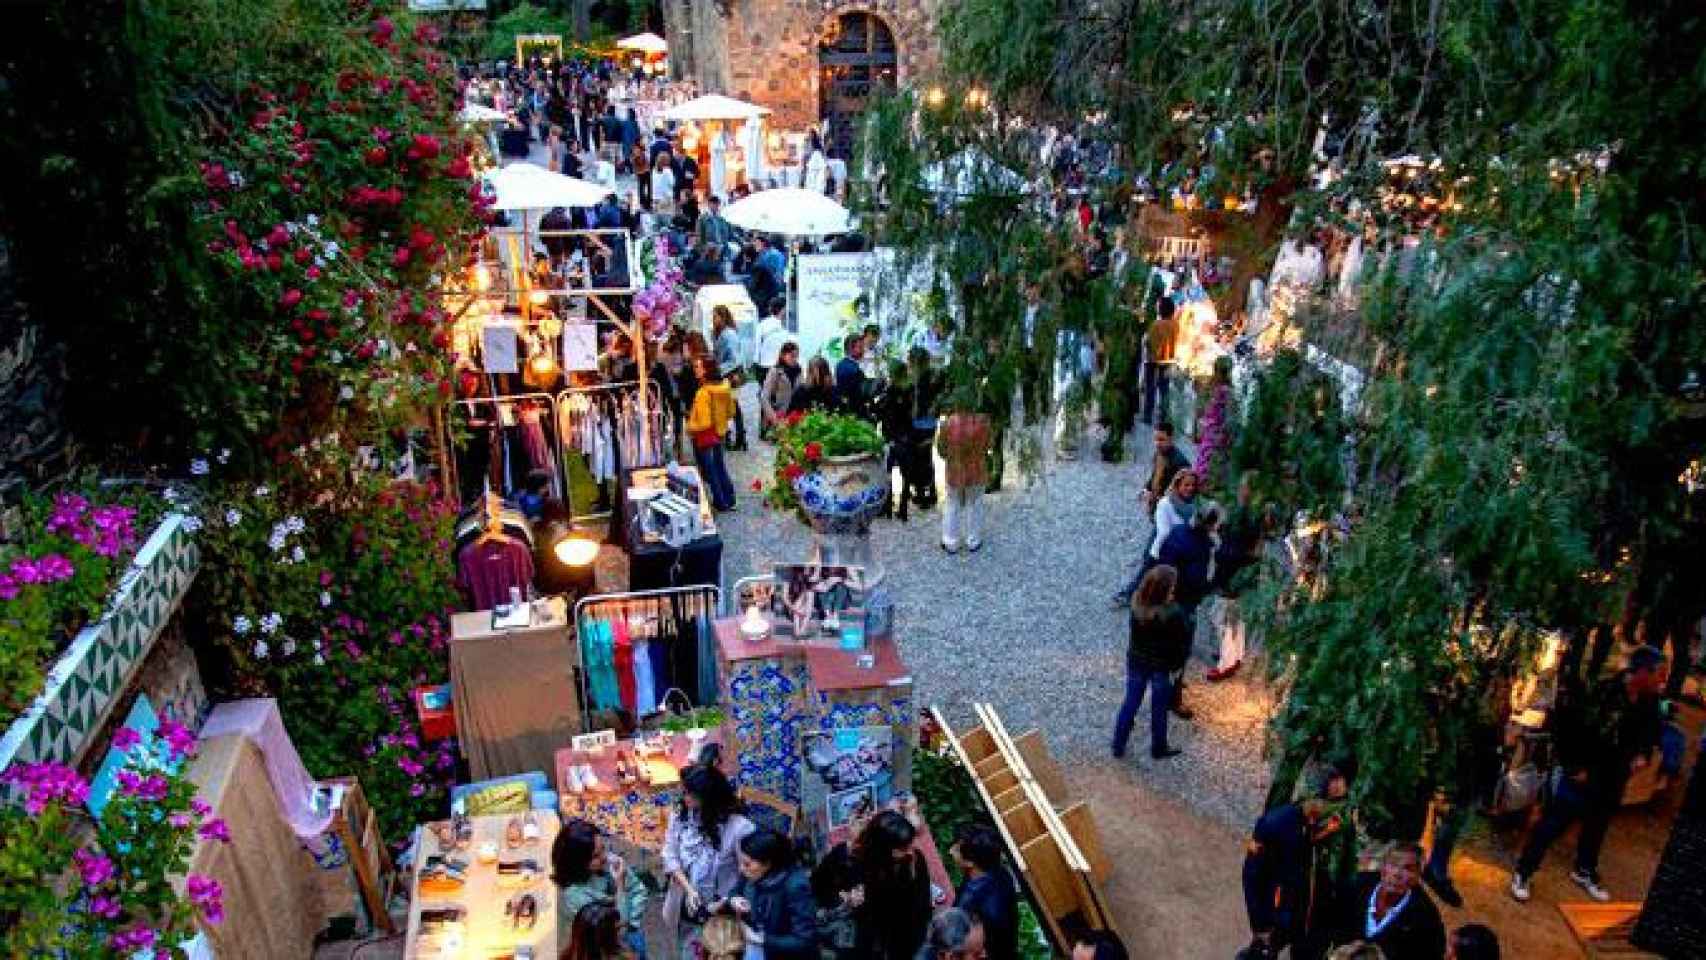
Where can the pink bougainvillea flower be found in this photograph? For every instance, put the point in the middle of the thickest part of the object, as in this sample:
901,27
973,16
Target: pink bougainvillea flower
178,738
291,298
199,807
104,906
132,939
9,589
125,738
215,829
94,868
46,783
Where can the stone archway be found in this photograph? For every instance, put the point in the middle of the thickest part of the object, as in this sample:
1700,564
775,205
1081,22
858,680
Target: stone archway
858,56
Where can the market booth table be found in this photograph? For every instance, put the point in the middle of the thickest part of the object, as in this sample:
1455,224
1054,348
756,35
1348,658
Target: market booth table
463,900
637,810
514,688
272,901
657,565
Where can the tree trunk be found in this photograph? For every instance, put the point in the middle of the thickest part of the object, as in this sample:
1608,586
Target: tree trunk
1673,918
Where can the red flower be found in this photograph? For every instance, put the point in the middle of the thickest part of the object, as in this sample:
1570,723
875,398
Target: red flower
377,156
383,28
792,472
458,169
291,298
302,255
757,485
814,451
401,257
275,262
795,417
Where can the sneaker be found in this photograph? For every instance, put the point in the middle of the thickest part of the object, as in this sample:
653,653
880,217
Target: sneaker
1590,883
1118,602
1164,753
1519,888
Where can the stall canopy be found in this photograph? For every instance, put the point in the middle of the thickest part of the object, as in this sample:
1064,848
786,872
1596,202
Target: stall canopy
478,113
971,172
644,42
791,212
527,186
714,106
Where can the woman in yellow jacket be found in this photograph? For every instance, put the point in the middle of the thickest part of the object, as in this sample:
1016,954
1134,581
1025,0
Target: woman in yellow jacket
707,423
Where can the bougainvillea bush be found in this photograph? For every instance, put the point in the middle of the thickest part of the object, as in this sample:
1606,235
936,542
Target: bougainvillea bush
115,895
57,577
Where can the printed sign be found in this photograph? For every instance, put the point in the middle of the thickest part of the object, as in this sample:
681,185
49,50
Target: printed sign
594,742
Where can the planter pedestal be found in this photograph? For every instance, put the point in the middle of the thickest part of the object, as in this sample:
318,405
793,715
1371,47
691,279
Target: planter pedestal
839,500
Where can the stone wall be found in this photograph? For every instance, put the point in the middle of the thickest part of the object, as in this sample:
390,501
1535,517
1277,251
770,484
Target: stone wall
32,387
768,53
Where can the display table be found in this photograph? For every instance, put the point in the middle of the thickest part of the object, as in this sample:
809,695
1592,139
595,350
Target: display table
514,691
272,902
775,693
485,931
639,812
658,566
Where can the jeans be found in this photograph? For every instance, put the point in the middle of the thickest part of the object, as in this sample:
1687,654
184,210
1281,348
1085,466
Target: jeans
716,475
1160,685
962,518
1155,391
1448,826
1592,804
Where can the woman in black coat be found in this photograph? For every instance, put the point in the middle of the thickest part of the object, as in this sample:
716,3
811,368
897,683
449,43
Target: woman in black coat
1159,644
883,879
773,899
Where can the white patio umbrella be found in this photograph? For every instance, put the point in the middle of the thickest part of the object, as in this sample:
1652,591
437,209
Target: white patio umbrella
479,113
644,42
714,106
971,171
791,212
528,186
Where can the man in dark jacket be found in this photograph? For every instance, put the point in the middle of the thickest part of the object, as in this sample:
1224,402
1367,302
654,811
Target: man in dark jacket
1288,883
850,378
1602,738
1189,549
1391,910
988,893
1167,463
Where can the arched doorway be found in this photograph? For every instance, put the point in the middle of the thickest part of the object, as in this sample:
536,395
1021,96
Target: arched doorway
856,58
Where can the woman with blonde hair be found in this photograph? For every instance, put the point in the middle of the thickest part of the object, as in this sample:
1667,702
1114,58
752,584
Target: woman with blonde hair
1160,640
722,939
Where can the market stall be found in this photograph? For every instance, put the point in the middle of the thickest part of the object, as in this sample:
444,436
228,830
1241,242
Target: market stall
664,551
629,787
483,888
727,137
514,692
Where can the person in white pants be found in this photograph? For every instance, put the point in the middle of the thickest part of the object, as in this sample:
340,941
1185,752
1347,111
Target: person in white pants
963,442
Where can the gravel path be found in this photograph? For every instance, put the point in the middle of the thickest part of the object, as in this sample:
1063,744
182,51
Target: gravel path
1026,625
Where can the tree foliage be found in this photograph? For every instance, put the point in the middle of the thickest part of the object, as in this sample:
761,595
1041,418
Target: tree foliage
1524,421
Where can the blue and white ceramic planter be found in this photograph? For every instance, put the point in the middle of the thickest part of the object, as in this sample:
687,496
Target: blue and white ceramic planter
844,493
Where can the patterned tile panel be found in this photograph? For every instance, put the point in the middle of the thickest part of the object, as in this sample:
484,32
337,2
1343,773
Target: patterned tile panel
104,658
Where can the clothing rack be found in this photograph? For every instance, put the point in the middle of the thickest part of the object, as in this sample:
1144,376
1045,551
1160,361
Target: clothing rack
657,445
694,603
495,406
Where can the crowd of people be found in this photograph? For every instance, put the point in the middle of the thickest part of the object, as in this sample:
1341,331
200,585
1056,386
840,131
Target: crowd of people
735,889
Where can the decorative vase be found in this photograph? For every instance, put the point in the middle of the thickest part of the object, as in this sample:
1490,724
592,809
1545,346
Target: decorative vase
839,499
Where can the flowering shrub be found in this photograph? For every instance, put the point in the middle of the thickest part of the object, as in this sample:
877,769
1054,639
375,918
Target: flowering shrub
56,578
118,897
331,588
334,188
804,440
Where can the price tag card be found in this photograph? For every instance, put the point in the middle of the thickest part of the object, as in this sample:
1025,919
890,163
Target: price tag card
594,742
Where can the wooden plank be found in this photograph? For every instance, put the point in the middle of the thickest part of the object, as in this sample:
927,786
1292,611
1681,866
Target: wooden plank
1011,799
1081,823
989,766
977,744
1000,782
957,746
1024,823
1031,746
1053,884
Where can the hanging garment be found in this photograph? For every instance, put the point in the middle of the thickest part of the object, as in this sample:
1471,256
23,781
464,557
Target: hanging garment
658,653
645,690
487,570
598,657
538,449
624,650
704,661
